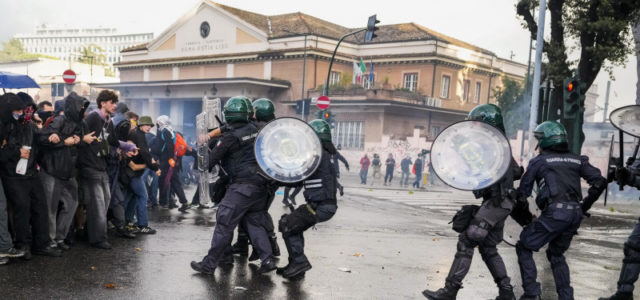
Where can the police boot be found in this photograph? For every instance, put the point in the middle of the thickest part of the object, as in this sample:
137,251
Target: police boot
619,296
241,246
525,297
296,269
274,245
628,276
448,292
506,294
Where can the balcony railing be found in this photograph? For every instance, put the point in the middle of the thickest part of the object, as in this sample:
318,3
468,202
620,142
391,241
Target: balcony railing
380,94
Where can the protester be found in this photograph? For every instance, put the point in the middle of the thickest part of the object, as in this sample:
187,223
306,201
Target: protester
364,169
405,165
390,163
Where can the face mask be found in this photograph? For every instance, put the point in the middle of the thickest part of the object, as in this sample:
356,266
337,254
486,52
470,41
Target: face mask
16,116
45,115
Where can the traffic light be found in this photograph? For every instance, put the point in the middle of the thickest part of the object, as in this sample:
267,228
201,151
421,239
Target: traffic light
327,116
371,28
573,94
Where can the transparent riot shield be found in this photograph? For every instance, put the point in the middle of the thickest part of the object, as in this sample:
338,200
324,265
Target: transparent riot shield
202,127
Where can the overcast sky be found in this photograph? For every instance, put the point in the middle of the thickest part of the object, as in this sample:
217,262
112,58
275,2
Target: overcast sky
490,24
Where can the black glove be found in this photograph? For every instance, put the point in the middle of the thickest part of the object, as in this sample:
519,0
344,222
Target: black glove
521,213
624,176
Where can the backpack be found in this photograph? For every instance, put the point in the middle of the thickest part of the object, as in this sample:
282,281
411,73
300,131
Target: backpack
180,146
122,130
463,217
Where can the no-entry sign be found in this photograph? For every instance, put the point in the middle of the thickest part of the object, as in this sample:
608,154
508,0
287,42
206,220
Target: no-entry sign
69,76
323,102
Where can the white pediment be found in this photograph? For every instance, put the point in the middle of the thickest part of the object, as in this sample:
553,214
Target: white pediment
205,30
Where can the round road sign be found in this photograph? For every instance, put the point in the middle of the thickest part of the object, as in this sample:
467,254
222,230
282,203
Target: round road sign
323,102
69,76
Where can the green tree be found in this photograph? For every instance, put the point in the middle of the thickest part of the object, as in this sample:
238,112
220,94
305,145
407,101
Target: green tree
93,54
511,100
598,32
13,50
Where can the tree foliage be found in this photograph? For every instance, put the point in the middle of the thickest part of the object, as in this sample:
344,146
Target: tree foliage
597,32
12,50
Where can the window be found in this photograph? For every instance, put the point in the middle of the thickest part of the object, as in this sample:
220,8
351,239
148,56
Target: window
411,81
349,134
366,83
335,78
435,130
444,90
466,90
476,96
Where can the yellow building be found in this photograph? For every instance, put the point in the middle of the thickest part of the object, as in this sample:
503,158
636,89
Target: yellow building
422,80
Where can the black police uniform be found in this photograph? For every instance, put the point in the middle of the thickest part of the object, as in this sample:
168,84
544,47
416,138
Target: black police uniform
320,194
485,231
266,220
631,261
558,177
245,198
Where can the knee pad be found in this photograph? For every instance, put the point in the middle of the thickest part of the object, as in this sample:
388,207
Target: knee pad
464,247
478,230
631,253
298,221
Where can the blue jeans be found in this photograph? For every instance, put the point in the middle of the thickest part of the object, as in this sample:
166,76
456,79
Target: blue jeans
152,189
137,201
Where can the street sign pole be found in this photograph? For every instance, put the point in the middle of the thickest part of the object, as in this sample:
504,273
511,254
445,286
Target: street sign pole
535,91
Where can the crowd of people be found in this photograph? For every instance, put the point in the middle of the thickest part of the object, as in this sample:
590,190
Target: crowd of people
69,172
407,169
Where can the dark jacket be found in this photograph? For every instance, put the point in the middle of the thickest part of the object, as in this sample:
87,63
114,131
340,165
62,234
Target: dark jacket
558,176
162,147
235,152
94,155
144,156
405,164
320,187
59,160
15,135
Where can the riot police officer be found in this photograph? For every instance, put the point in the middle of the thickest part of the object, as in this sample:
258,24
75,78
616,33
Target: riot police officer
264,112
320,194
631,261
485,227
246,194
557,173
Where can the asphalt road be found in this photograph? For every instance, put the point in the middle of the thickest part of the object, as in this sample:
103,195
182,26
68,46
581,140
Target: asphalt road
383,243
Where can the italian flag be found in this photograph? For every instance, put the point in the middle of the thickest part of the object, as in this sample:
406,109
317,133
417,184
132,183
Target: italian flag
358,71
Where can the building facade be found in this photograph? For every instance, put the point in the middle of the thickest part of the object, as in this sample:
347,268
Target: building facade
66,43
415,78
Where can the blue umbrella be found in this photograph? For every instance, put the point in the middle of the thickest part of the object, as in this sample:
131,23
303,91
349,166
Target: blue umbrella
16,81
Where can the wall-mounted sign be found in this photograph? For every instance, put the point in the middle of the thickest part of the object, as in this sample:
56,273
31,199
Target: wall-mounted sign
205,29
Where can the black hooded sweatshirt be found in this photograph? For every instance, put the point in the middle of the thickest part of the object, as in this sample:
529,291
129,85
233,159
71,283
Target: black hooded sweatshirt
16,133
59,160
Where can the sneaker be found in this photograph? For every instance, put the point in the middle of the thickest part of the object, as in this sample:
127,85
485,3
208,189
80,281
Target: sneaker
125,233
146,230
293,201
4,260
131,228
48,251
12,252
198,267
184,207
62,246
102,245
267,266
